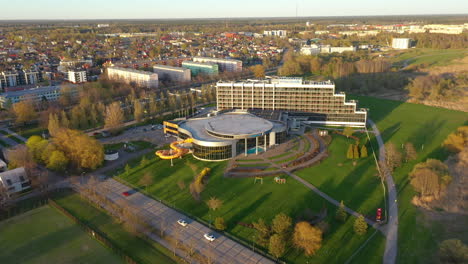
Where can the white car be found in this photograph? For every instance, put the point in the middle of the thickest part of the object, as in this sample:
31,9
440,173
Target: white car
182,222
209,237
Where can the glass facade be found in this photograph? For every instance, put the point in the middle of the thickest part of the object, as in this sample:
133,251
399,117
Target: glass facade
280,137
212,153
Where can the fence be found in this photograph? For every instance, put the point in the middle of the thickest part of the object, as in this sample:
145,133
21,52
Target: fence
101,237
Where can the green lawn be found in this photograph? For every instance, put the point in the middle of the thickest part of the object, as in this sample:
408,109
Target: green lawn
337,174
141,250
432,57
44,235
426,127
3,144
246,202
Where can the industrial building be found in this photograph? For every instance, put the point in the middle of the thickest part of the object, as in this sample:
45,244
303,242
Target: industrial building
132,76
299,101
225,65
170,73
401,43
226,135
196,68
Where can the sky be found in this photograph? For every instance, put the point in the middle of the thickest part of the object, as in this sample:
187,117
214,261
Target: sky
160,9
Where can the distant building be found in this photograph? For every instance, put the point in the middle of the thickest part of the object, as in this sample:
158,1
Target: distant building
15,180
227,65
276,33
401,43
175,74
66,65
128,75
48,93
77,76
310,50
18,78
330,49
201,67
102,25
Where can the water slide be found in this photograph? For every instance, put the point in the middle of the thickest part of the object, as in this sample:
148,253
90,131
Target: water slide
175,150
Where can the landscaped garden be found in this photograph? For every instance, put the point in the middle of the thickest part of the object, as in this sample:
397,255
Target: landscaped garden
45,235
245,202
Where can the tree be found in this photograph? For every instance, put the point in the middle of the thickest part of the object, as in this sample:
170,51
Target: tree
114,117
219,223
214,203
348,131
57,161
258,71
307,238
356,152
341,214
350,153
24,112
277,245
455,142
281,224
64,121
146,180
430,177
82,150
263,232
20,157
453,251
364,151
127,169
392,156
360,225
410,152
54,124
138,112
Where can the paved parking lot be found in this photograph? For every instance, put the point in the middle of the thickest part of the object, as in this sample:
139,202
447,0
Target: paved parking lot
222,249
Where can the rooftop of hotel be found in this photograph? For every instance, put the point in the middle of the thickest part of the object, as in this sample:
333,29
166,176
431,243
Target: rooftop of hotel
232,123
279,80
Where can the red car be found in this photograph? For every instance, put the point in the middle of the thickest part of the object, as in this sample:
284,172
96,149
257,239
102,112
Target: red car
125,193
379,215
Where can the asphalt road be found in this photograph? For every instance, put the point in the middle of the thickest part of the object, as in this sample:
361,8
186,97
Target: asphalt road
391,228
222,249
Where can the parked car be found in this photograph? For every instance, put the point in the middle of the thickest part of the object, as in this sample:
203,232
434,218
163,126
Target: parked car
182,222
378,217
209,237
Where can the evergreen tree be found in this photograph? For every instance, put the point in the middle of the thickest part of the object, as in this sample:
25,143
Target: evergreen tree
360,225
350,154
341,214
64,121
364,151
356,151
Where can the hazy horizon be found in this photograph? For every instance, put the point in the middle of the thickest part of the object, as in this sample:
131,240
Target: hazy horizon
211,9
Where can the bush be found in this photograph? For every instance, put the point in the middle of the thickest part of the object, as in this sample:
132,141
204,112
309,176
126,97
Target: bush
219,223
453,251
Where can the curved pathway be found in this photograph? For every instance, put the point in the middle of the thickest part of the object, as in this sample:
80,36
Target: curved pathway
391,228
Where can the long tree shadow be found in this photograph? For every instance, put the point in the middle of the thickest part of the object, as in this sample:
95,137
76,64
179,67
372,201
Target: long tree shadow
248,210
426,132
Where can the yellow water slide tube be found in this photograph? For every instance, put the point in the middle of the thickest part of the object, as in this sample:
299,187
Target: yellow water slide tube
176,150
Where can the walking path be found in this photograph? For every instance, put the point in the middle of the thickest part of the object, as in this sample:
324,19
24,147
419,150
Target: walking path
391,228
11,132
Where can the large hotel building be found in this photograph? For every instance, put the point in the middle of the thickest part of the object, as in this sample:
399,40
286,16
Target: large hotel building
297,100
140,78
225,65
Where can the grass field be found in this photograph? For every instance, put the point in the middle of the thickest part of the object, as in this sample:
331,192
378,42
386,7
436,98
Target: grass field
430,57
139,249
244,201
426,127
44,235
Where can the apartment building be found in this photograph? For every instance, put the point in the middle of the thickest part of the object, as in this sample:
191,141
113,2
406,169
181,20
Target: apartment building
77,76
132,76
196,68
18,78
276,33
305,101
401,43
15,180
170,73
225,65
49,93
